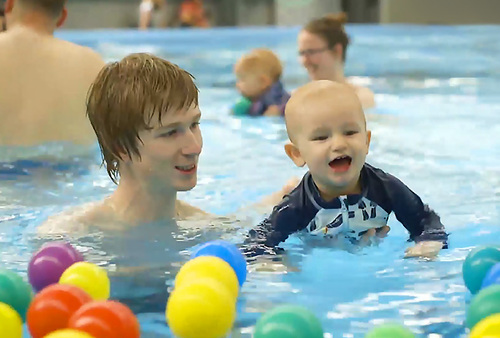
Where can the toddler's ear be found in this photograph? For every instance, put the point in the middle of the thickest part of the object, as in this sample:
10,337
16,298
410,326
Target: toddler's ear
368,139
293,152
266,80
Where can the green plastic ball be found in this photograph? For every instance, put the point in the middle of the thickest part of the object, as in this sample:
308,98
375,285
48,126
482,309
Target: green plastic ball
484,304
14,291
288,321
477,264
242,106
390,331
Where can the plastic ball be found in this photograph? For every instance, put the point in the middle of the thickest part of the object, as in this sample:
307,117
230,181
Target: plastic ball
11,324
288,321
229,253
89,277
484,304
68,333
14,291
242,106
204,308
52,308
492,277
477,264
390,331
488,327
209,267
106,319
48,264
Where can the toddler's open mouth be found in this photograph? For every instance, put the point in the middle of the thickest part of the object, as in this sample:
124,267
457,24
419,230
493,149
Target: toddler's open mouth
341,163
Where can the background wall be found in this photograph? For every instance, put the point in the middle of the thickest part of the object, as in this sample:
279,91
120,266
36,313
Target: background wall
440,11
124,13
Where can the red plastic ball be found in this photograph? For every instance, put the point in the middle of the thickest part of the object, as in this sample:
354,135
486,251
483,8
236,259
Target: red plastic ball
106,319
52,308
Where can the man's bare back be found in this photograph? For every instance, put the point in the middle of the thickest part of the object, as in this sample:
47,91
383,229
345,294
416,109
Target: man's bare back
43,86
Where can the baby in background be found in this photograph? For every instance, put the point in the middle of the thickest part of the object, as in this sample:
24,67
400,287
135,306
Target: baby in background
258,75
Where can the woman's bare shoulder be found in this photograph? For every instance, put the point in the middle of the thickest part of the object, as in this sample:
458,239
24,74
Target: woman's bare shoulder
366,96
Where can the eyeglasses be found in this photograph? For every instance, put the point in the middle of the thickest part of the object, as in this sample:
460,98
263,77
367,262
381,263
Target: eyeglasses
311,52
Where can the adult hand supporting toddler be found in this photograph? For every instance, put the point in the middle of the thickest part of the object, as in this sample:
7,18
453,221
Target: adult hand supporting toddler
424,249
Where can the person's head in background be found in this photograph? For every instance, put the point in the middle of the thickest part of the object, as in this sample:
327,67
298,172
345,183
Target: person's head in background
43,16
3,23
322,47
146,10
144,111
256,72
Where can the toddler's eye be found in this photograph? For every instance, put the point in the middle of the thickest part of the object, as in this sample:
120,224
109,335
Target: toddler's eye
319,138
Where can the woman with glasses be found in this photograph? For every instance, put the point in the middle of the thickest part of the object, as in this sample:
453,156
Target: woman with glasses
322,49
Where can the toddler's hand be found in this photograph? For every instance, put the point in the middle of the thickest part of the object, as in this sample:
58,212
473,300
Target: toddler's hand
426,249
374,233
272,111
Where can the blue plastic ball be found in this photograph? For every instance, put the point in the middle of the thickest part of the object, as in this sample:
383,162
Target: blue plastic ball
477,264
492,277
229,253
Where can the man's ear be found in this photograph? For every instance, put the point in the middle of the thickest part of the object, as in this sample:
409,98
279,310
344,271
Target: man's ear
368,139
62,17
293,152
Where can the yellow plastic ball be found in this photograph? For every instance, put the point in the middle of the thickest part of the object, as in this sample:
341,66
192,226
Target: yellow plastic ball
488,327
209,267
11,323
68,333
203,308
89,277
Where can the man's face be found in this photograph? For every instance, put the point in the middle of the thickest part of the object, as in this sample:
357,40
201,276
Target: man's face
169,151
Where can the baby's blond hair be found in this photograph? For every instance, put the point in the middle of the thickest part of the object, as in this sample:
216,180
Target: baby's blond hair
261,61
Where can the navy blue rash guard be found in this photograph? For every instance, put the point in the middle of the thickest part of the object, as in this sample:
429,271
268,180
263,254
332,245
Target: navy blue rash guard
352,215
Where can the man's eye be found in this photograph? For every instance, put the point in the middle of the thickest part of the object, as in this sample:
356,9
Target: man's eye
169,133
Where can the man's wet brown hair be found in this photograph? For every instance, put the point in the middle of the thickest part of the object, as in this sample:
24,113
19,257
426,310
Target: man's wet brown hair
127,95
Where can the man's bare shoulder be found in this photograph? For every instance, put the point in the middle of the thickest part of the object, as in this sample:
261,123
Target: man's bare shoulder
76,220
186,211
78,52
22,40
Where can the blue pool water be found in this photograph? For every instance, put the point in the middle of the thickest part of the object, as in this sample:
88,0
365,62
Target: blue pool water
436,127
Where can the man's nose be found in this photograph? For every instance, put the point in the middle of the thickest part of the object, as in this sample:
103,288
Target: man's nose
192,143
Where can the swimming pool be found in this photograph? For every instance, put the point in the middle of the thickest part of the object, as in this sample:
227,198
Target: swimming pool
436,127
